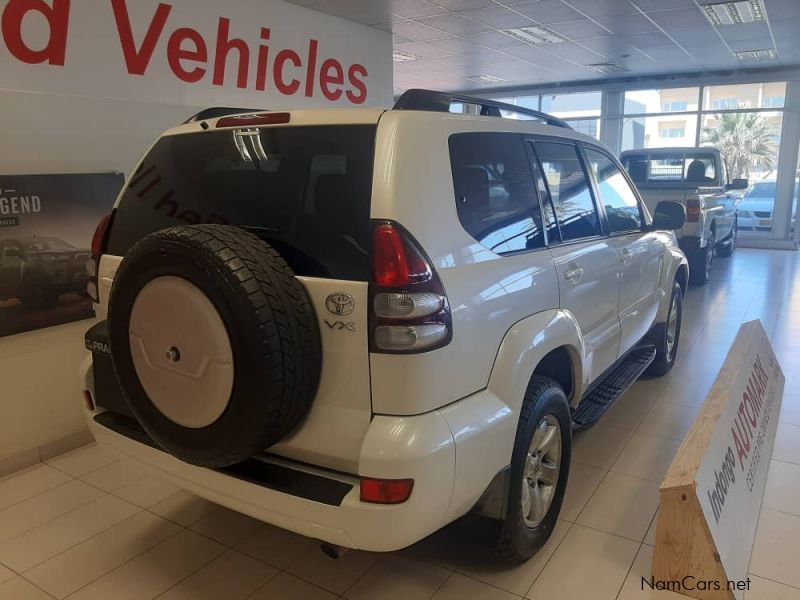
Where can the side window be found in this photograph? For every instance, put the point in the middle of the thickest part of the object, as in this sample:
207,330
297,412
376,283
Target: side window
569,190
622,208
495,194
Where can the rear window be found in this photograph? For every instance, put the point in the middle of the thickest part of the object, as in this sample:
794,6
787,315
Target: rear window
305,190
676,167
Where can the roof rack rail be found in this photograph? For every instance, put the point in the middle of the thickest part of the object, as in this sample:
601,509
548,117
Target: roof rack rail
219,111
430,100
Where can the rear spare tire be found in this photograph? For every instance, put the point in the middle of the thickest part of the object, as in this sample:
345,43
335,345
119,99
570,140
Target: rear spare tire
214,343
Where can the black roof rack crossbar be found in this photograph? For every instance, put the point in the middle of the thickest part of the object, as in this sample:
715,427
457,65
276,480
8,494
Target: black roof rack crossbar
220,111
430,100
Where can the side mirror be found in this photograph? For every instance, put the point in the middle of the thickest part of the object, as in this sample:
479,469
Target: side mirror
669,216
12,253
738,184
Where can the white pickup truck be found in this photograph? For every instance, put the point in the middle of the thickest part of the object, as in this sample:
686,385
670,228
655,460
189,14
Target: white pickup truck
698,178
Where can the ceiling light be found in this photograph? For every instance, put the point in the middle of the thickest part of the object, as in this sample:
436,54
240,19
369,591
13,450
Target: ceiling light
734,13
608,68
764,55
486,79
403,56
536,35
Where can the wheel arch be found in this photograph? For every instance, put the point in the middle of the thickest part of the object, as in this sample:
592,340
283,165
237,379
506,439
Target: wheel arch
548,344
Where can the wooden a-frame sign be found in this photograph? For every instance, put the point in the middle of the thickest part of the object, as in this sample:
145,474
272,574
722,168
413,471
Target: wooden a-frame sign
711,495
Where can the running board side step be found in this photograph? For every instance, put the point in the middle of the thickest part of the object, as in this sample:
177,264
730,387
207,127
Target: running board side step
616,382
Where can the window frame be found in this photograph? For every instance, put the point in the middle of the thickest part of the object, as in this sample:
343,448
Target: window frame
643,214
531,140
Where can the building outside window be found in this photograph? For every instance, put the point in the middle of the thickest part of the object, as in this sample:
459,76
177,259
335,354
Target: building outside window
725,103
674,106
672,130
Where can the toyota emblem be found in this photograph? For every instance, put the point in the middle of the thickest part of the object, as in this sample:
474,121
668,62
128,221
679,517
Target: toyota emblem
340,304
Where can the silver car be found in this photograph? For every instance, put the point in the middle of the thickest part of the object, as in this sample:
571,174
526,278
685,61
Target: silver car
757,205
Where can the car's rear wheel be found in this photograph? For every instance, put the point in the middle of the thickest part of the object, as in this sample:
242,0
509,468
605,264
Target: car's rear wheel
214,343
726,248
700,263
539,471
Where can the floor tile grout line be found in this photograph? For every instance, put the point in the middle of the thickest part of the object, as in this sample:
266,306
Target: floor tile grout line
37,494
549,558
789,585
48,594
125,520
441,585
84,505
492,585
122,564
76,451
50,520
266,582
225,550
364,574
630,568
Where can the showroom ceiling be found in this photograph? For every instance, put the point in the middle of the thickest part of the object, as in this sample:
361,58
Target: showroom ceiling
473,44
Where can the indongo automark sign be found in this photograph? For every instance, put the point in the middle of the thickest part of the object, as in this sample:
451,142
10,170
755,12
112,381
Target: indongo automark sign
191,52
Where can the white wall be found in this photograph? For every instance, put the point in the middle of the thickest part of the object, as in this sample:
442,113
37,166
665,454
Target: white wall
92,115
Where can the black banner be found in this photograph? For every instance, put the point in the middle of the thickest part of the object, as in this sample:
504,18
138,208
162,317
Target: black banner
46,227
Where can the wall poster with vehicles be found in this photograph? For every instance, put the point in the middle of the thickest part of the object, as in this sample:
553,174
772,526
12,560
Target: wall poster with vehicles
46,227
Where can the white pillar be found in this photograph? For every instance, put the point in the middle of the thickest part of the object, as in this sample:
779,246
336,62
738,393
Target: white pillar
787,163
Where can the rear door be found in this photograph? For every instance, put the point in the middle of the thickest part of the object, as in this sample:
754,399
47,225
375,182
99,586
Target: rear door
641,253
586,260
305,190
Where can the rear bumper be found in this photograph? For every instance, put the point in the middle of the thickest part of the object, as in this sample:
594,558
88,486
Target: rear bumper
421,447
351,523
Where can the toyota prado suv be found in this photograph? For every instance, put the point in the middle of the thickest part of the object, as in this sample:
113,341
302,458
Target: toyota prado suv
361,325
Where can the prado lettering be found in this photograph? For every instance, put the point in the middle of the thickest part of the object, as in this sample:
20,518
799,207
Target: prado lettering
190,56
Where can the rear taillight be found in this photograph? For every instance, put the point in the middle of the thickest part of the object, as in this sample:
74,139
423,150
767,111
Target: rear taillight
99,242
409,309
386,491
693,210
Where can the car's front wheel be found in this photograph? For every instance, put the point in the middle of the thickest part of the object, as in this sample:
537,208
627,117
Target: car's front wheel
669,335
539,471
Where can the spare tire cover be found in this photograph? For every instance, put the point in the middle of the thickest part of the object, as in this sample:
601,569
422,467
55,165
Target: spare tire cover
214,342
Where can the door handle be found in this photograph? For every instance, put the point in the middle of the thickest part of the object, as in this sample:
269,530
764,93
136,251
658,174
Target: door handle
573,275
627,257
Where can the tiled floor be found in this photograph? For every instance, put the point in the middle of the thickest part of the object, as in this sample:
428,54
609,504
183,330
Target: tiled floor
84,526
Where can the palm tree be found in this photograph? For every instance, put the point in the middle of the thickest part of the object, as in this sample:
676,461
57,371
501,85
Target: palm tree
746,140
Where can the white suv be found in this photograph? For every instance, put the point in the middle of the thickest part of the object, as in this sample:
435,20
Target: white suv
360,325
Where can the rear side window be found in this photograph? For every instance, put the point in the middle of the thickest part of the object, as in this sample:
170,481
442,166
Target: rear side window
569,190
495,192
619,200
305,190
678,167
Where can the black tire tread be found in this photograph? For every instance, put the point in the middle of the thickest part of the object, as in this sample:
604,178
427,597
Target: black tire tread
660,365
504,546
259,281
